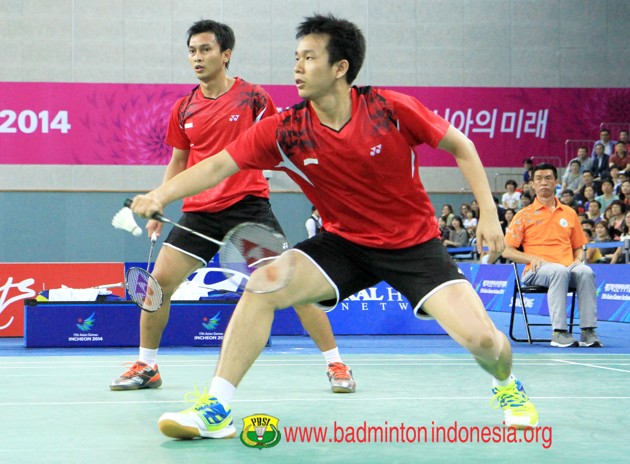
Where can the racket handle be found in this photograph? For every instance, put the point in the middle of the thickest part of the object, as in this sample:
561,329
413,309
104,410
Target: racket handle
156,216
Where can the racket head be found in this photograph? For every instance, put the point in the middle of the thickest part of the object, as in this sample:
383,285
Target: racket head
249,246
143,289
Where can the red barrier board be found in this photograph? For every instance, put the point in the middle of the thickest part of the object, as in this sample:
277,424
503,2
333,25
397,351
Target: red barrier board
19,281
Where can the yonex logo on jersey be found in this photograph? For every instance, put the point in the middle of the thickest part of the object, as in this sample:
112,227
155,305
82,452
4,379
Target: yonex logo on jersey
234,117
375,150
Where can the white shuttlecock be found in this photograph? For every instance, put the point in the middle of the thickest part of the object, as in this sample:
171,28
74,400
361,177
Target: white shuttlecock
124,220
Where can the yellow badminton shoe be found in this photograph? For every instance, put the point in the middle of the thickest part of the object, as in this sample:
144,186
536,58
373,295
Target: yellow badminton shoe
206,419
518,411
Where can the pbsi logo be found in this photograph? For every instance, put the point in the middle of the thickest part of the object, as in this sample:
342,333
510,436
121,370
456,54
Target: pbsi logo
260,431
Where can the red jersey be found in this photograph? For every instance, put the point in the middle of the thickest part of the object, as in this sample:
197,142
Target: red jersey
206,125
363,179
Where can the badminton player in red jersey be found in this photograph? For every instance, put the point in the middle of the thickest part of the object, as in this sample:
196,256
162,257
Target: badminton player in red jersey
351,151
216,111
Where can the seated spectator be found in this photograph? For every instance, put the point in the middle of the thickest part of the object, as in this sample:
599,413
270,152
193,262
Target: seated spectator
594,211
624,193
603,236
444,229
526,200
621,157
528,166
616,179
551,240
620,256
601,162
617,212
587,224
605,141
511,197
568,198
447,212
463,210
572,178
589,181
593,255
470,222
607,196
586,162
458,236
623,137
474,206
588,195
509,216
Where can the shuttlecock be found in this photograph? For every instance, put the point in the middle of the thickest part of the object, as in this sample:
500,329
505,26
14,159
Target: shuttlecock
124,220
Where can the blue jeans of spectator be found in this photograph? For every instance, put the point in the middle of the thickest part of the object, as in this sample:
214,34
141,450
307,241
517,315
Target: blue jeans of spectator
558,279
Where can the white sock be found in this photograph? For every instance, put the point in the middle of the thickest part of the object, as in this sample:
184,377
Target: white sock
503,383
332,356
148,356
222,390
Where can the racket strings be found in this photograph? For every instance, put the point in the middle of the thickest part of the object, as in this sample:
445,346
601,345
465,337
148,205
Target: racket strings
143,289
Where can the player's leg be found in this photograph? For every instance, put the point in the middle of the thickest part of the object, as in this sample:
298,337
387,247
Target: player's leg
245,337
317,324
171,268
460,311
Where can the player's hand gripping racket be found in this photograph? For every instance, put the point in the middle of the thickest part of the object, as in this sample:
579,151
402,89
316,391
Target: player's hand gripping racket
245,248
142,287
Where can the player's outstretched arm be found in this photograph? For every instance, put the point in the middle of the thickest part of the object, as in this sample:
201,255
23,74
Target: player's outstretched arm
489,231
193,180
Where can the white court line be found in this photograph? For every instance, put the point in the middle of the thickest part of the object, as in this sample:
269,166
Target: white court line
316,400
592,365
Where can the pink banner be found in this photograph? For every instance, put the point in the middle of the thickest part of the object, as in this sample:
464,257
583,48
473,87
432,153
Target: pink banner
125,124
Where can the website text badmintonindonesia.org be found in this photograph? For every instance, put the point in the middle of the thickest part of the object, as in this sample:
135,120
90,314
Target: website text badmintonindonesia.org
403,433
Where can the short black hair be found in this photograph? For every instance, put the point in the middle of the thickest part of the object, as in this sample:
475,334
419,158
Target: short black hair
345,40
223,33
546,166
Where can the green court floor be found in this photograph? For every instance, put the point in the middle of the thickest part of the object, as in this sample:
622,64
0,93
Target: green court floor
59,409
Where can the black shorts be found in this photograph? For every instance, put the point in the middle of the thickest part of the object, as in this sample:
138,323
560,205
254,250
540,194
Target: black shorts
416,272
216,225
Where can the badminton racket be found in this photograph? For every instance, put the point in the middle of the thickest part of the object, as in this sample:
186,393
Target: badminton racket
245,248
142,287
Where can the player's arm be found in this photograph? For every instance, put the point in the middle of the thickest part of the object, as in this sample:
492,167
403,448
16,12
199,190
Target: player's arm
191,181
489,231
177,164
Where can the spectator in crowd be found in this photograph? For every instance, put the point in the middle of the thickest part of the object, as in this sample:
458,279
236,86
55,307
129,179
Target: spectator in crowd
620,255
470,222
509,216
621,157
463,210
586,162
624,193
616,178
474,206
588,195
587,224
444,229
617,212
605,141
594,211
528,166
602,235
593,254
526,200
572,178
511,197
314,223
552,241
601,163
448,213
458,236
607,196
588,180
500,209
568,198
623,137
